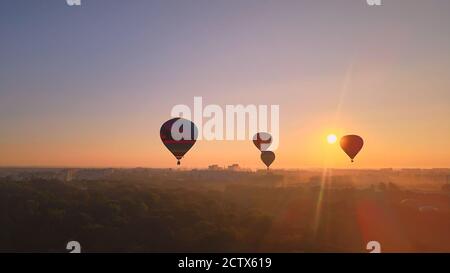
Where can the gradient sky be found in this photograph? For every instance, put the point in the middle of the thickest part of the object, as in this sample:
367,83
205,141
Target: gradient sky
91,85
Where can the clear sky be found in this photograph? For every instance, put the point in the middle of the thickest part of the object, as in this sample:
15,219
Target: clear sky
91,85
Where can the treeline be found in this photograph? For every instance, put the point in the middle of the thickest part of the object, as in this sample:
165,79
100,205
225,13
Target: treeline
130,216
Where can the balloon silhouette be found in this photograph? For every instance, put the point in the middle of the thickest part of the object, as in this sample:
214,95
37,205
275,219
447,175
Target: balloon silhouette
267,157
351,145
178,135
262,141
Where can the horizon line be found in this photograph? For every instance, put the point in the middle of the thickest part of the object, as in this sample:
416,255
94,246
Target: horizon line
221,168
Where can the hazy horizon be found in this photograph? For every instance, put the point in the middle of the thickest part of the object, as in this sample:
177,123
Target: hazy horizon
224,167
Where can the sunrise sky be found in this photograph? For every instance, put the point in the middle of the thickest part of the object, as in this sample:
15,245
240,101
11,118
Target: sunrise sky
90,86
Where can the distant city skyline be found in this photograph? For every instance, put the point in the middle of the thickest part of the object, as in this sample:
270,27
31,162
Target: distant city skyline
90,86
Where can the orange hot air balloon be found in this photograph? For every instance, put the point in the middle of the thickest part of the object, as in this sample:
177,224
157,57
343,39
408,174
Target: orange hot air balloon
262,141
351,144
186,136
267,157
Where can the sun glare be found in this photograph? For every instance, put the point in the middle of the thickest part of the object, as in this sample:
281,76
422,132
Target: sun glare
331,139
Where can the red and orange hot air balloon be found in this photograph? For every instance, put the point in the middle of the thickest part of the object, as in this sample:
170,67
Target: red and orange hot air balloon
352,145
178,135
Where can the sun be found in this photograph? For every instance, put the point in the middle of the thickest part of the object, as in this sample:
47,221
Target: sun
331,139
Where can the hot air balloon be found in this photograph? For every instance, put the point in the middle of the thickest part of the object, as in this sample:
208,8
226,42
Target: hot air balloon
351,145
262,141
178,135
267,157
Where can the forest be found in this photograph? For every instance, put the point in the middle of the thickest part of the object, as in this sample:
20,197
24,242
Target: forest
166,215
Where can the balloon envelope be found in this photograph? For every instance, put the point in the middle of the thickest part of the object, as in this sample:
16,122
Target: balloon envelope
262,141
267,157
178,135
351,145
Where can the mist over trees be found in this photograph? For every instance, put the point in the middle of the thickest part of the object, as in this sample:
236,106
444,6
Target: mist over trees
196,211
